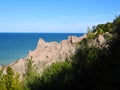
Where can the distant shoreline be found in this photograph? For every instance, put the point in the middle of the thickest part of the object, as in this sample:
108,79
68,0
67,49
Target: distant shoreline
47,32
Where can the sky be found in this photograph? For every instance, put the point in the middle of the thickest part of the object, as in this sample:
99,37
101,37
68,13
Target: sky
55,16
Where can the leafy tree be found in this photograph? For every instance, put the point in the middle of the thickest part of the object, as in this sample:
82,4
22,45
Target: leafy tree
31,74
29,67
116,25
90,34
10,81
53,77
109,27
2,82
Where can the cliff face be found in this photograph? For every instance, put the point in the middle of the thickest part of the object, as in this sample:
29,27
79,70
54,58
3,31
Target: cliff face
47,53
101,40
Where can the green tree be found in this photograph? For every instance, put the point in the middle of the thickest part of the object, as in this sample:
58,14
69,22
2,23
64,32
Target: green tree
30,68
54,77
99,31
10,80
31,74
116,25
90,34
109,27
2,81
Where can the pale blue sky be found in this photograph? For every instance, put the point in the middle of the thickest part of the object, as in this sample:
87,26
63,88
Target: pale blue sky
55,15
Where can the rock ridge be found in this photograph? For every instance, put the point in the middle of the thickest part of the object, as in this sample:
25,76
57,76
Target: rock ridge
47,53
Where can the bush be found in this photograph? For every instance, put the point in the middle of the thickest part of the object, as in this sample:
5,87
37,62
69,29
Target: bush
10,81
53,77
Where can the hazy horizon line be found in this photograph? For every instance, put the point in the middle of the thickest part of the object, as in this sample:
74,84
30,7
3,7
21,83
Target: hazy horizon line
42,32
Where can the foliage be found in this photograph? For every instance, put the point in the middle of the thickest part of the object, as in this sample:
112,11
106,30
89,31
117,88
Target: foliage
10,81
30,73
108,27
98,69
116,25
99,32
30,67
90,34
53,77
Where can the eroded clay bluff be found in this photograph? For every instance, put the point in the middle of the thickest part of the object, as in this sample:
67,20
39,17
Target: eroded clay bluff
48,52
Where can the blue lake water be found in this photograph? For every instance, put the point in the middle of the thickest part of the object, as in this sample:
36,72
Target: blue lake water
14,46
